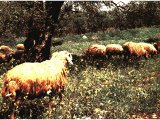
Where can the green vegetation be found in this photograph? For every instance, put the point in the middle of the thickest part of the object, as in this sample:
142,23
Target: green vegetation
77,44
117,90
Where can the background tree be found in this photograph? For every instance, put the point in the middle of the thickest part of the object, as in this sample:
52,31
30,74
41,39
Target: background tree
35,20
38,40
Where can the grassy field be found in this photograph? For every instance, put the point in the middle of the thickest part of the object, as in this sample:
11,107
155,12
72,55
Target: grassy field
116,90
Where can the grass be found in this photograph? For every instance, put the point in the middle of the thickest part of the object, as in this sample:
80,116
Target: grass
117,90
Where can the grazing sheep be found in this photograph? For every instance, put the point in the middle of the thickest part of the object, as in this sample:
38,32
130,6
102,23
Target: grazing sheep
20,47
134,50
94,55
5,48
95,50
36,80
114,49
149,48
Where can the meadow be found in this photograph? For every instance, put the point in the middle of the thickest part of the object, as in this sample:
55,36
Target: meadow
118,89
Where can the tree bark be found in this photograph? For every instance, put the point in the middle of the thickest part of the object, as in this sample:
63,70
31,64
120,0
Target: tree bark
38,42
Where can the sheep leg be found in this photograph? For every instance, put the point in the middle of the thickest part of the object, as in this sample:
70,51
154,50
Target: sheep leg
60,94
60,97
12,114
50,106
156,56
109,56
125,58
12,108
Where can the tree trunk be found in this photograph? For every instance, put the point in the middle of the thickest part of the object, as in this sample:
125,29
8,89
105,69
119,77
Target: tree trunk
38,42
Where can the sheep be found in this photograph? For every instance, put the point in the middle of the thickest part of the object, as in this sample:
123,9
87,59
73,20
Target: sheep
20,47
134,50
35,80
149,48
95,50
94,55
114,49
5,48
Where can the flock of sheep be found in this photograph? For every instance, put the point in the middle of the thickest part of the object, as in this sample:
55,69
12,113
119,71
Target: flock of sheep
48,78
6,53
129,50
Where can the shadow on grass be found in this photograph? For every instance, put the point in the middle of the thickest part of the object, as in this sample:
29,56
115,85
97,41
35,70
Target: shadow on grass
81,62
30,109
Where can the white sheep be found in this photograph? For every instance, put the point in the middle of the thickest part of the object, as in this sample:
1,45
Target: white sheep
5,49
37,79
134,50
95,50
20,46
94,55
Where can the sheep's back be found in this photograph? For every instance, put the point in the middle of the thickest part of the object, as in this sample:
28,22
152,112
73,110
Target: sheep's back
35,77
135,49
95,50
148,47
26,71
114,48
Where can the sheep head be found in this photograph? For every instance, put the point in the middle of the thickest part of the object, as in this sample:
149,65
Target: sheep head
63,55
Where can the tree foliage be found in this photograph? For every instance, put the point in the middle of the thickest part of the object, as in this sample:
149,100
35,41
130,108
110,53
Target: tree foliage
78,17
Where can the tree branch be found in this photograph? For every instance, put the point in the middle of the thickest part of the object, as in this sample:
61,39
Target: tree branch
115,4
